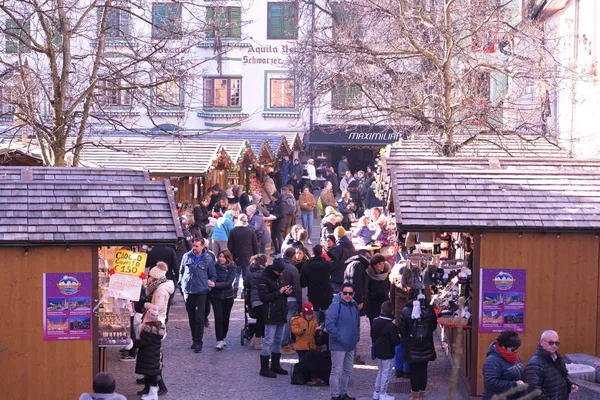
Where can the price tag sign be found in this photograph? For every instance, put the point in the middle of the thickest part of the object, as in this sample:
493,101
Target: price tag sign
125,286
128,262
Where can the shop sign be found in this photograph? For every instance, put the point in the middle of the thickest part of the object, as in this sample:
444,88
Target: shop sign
124,286
128,262
364,135
502,304
267,55
67,306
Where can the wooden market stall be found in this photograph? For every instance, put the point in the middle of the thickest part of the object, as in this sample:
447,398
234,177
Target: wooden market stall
52,223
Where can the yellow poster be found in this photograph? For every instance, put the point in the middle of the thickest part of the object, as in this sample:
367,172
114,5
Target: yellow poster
128,262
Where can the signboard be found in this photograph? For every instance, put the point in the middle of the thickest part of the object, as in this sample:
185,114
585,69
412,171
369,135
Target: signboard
502,294
114,329
365,135
128,262
67,306
124,286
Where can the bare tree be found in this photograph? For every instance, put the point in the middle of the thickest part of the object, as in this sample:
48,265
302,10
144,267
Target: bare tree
448,67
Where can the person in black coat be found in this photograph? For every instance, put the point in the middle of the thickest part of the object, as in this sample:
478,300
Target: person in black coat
385,338
201,216
298,170
503,369
342,251
221,295
546,370
356,273
315,277
242,244
278,225
274,298
215,193
378,285
417,324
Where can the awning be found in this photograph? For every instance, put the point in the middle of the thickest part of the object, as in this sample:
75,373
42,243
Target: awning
356,135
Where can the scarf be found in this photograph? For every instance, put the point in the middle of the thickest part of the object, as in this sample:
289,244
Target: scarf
509,357
155,284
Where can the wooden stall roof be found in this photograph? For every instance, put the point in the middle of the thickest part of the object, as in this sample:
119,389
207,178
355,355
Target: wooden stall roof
85,206
505,163
159,155
277,141
294,140
497,200
15,157
260,146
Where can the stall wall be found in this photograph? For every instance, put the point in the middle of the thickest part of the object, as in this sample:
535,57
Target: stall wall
562,289
31,367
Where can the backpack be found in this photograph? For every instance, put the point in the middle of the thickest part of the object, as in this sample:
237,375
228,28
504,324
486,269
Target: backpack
299,374
290,206
418,329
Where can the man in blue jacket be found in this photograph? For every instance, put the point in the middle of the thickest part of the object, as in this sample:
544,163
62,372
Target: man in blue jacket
342,324
196,276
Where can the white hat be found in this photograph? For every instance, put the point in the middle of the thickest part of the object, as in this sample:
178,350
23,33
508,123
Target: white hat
311,161
159,271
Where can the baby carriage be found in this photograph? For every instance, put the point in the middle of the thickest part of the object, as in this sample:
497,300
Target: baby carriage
249,319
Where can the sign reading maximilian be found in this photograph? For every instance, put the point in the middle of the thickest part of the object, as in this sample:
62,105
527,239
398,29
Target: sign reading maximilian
502,294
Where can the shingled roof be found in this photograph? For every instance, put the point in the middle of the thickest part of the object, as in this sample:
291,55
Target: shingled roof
494,200
85,206
259,145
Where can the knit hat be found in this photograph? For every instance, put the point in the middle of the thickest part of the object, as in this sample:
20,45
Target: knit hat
251,209
152,314
216,187
339,232
256,198
307,308
159,271
229,194
278,265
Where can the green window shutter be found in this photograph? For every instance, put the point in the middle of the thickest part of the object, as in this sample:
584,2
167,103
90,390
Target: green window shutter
235,24
159,19
220,21
210,32
275,21
173,20
17,40
125,23
290,20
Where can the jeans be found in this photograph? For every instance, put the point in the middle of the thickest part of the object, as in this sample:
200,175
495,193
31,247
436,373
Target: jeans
307,218
399,364
218,245
292,306
342,363
272,341
320,316
222,312
418,376
263,248
243,272
384,374
195,305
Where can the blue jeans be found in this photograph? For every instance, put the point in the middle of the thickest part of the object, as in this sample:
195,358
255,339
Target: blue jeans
287,331
263,248
244,272
399,364
307,219
272,339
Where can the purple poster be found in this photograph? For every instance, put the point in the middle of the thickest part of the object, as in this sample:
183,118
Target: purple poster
502,294
68,306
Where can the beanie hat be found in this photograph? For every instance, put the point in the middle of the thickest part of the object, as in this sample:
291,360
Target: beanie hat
229,194
256,198
216,187
278,265
251,209
307,308
339,232
159,271
152,314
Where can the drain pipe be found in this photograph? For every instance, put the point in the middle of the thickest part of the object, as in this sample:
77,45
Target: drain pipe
573,81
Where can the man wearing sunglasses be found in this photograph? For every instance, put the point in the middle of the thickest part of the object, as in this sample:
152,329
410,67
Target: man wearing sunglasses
547,371
342,324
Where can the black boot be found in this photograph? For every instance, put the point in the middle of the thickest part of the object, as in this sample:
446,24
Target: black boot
275,366
146,388
140,381
264,368
162,388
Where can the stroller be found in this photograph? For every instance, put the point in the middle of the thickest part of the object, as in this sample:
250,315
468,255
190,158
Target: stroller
249,323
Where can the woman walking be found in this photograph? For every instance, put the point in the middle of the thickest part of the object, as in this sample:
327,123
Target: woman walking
222,295
221,231
257,266
378,285
242,244
256,221
503,369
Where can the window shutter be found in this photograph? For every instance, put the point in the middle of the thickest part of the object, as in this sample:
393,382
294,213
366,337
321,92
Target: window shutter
158,20
125,21
208,93
235,27
290,20
210,31
220,21
173,20
276,23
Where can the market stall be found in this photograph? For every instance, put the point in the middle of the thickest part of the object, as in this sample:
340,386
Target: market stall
53,221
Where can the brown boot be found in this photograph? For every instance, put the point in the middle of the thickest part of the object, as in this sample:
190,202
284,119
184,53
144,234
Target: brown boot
287,349
252,341
258,344
358,360
415,395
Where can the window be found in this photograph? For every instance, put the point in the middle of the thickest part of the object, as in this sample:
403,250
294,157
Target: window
223,92
118,23
111,93
345,96
282,93
344,21
166,21
478,86
7,101
282,21
169,94
224,22
17,36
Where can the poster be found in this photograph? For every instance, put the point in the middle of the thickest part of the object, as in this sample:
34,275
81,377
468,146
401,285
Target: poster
124,286
502,294
128,262
67,306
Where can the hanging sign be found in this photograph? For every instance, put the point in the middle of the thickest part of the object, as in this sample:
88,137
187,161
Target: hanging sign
128,262
67,306
124,286
502,304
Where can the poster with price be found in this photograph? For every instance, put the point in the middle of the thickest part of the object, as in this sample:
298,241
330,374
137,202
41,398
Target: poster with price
502,294
124,286
128,262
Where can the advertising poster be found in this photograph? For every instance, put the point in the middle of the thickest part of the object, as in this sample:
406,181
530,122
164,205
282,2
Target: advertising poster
502,294
68,306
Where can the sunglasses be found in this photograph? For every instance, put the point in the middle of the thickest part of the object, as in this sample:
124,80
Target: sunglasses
552,342
348,293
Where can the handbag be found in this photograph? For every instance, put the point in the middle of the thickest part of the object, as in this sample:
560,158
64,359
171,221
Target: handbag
299,374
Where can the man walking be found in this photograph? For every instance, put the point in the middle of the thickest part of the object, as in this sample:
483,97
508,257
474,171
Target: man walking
197,274
342,324
547,371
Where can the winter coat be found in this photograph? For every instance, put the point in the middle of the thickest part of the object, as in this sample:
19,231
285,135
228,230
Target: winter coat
160,298
195,272
102,396
224,284
499,375
356,273
304,340
288,242
200,216
549,375
364,234
183,247
257,222
344,183
269,188
418,349
286,168
328,199
378,289
167,255
400,294
307,202
342,168
251,284
342,322
342,251
278,225
242,244
275,303
147,362
385,337
244,201
315,276
335,182
327,229
298,170
214,200
345,208
311,171
291,276
371,200
223,228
